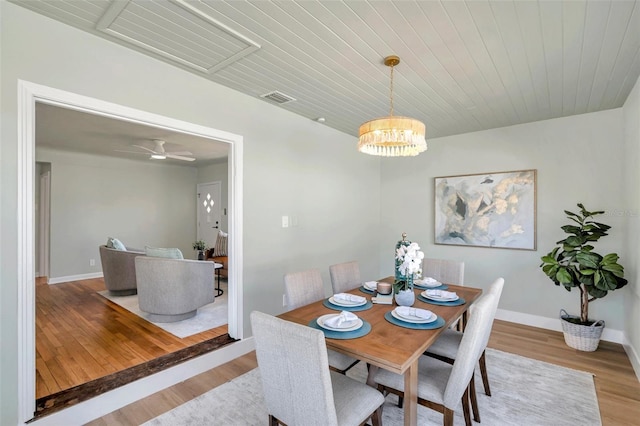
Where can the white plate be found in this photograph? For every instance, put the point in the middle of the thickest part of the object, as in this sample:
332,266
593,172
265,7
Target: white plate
356,323
413,319
439,299
429,284
346,304
374,285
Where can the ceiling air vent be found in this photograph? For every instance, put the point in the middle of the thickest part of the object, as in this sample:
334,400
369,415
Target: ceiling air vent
278,97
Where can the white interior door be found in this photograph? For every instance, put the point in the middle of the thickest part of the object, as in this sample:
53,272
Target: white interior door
209,211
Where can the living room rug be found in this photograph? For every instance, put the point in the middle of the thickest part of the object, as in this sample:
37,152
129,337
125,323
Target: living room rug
525,392
209,316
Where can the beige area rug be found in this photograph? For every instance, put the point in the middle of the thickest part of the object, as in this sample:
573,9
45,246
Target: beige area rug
209,316
525,392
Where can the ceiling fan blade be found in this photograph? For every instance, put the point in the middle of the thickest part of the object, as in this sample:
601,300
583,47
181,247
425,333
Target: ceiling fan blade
145,148
179,153
130,152
180,157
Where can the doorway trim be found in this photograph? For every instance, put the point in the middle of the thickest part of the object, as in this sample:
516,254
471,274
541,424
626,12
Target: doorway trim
44,221
28,94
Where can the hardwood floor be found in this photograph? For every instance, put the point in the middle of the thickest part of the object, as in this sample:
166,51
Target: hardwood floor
82,337
616,384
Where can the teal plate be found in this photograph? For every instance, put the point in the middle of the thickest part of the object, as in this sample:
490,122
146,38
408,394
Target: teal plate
458,302
342,335
440,287
364,307
428,326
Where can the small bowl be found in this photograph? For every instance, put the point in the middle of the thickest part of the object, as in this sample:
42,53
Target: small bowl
384,288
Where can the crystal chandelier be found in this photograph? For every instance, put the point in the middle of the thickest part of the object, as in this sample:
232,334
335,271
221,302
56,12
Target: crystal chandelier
392,136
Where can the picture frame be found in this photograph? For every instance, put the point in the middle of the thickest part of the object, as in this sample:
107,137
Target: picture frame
496,210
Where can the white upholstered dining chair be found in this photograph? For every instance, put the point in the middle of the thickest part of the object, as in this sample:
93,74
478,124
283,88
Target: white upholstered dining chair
447,346
302,288
345,276
442,385
444,270
299,388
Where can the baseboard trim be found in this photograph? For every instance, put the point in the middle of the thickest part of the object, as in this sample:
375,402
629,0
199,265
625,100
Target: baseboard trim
99,406
70,278
633,357
609,335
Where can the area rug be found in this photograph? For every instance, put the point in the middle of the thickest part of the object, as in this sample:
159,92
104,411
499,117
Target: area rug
525,392
209,316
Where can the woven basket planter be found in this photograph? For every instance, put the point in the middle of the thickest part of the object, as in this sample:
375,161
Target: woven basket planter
581,337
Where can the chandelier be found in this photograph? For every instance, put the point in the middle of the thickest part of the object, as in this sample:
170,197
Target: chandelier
392,136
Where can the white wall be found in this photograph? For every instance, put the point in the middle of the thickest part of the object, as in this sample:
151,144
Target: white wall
95,197
292,165
631,110
218,172
578,158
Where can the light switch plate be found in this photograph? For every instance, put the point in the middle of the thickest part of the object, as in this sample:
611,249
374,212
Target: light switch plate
285,221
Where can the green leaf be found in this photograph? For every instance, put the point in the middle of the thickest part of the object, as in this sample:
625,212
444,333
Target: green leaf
615,269
602,226
605,280
550,270
589,259
549,259
563,276
596,292
610,258
571,229
574,241
587,271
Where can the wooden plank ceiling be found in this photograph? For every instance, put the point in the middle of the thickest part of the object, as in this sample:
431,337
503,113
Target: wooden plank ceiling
465,65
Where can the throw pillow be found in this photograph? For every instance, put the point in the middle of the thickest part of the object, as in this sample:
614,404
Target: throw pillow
168,253
116,244
221,244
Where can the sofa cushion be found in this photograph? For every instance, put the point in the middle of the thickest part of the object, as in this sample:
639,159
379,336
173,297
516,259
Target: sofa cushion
169,253
116,244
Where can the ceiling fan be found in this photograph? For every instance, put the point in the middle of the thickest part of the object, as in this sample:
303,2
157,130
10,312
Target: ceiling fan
158,153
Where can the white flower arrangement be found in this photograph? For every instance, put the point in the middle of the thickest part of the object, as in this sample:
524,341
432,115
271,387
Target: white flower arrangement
410,260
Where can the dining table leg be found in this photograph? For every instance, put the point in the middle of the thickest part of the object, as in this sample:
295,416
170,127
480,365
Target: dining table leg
411,395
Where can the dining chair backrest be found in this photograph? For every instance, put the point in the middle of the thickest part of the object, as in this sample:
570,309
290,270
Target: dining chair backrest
444,270
345,276
495,290
471,346
302,288
293,365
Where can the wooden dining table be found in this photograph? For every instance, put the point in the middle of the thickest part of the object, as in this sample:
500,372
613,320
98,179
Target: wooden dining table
389,346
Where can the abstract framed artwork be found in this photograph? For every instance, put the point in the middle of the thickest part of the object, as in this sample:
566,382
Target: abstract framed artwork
487,210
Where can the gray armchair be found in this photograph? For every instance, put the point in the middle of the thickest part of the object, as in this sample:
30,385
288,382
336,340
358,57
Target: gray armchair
119,271
171,290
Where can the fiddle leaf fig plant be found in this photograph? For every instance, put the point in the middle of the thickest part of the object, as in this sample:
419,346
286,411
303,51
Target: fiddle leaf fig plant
574,263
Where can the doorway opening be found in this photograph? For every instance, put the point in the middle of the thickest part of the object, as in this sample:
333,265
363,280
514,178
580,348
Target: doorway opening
29,94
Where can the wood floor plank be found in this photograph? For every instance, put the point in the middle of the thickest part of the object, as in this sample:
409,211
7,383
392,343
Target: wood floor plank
82,336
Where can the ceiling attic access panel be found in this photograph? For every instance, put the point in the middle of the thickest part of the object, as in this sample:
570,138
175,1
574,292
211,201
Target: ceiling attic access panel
178,31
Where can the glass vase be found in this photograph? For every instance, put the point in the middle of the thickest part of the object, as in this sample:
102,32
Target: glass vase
405,297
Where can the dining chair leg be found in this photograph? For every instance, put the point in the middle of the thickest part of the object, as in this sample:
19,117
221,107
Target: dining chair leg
474,399
465,407
448,417
483,372
376,417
